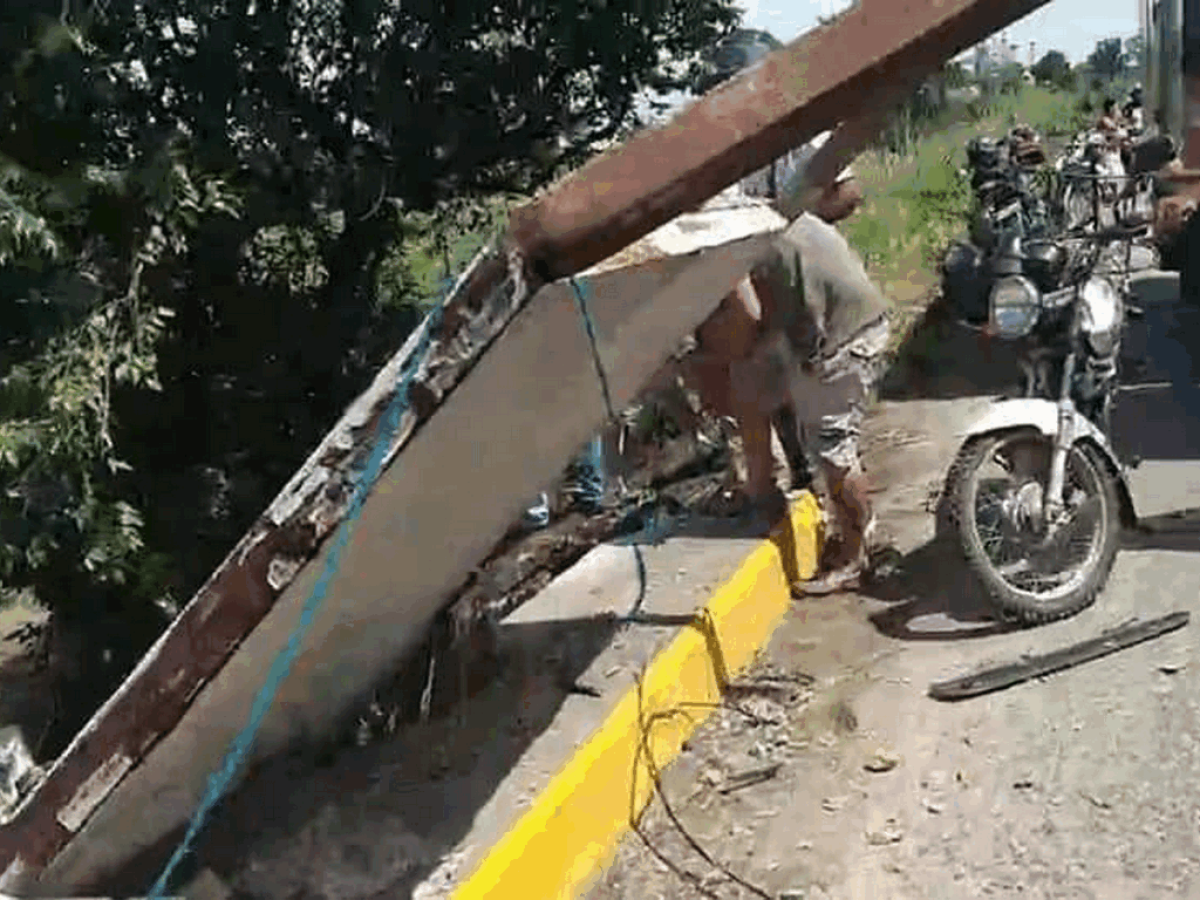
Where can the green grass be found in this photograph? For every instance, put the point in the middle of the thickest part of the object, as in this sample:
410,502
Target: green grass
435,248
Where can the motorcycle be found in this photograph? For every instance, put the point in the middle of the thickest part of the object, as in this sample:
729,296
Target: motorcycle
1037,496
1008,207
1101,182
1091,177
1008,200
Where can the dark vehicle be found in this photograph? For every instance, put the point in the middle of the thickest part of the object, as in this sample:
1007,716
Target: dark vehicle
1004,182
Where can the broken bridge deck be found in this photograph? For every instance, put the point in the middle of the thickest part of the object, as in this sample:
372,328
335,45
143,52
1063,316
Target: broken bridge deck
506,396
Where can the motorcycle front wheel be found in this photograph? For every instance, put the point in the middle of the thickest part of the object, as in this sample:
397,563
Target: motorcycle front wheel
994,500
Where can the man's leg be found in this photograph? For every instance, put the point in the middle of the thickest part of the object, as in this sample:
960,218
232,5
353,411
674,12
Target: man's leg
757,391
755,428
840,404
848,503
787,426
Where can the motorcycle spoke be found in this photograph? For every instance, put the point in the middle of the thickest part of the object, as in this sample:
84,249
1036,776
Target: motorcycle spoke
1013,569
1008,520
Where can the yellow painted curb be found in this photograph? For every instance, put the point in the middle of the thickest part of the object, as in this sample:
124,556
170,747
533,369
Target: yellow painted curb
571,830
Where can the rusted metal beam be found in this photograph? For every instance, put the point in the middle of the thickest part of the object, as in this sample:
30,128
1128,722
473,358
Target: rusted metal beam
831,74
243,589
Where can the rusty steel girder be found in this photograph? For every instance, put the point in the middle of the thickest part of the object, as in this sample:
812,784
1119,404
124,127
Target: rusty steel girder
833,73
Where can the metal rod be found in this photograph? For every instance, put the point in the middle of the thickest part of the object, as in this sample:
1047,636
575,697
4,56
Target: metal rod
834,73
1000,677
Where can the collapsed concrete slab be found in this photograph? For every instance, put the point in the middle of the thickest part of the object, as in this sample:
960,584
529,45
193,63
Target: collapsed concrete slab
502,423
506,395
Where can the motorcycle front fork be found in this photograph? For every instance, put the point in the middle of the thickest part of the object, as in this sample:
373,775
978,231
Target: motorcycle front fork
1053,502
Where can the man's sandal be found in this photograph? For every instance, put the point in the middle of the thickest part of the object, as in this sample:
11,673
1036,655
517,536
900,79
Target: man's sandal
847,578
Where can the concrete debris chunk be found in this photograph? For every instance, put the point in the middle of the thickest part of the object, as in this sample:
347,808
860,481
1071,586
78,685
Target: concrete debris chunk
19,775
884,830
884,759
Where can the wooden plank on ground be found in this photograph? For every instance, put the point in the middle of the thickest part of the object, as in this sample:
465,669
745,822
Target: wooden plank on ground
1030,667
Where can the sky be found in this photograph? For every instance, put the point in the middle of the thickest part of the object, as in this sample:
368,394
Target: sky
1072,26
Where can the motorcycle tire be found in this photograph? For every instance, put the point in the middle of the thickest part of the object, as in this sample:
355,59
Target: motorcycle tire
1010,602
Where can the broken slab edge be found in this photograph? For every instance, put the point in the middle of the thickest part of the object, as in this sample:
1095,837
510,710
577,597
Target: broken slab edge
570,832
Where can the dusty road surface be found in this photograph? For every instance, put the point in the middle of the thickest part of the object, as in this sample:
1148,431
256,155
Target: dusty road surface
1081,785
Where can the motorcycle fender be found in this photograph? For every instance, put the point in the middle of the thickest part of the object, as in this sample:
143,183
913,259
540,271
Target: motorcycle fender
1032,412
1043,415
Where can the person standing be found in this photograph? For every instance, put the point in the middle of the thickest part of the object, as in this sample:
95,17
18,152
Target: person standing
782,182
1134,110
1111,124
820,350
789,185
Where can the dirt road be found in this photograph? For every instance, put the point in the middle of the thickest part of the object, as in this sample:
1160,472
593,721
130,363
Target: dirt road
1078,786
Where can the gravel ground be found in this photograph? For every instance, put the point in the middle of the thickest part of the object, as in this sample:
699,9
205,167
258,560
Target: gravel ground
1076,786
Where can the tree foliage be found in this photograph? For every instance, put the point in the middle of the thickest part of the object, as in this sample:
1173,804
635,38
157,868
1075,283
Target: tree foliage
211,218
1054,69
1135,53
1108,59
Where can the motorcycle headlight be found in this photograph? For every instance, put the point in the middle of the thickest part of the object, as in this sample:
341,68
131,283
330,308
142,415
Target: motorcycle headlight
1100,314
1015,305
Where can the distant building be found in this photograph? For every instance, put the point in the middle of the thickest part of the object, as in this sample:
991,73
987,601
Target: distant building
982,63
995,53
